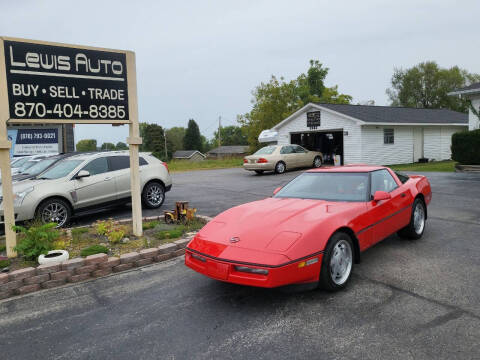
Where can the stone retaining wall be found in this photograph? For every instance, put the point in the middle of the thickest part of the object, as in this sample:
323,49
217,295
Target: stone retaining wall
32,279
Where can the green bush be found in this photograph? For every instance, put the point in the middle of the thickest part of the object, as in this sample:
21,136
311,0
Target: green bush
4,263
94,249
466,147
36,239
170,234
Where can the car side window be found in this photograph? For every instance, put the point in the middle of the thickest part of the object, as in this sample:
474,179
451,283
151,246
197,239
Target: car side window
142,161
382,181
119,162
97,166
299,150
286,150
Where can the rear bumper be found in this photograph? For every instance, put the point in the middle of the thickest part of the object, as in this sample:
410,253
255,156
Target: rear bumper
224,270
261,166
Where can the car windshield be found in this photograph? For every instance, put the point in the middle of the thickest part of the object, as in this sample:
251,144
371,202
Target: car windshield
267,150
327,186
20,162
27,165
39,167
63,168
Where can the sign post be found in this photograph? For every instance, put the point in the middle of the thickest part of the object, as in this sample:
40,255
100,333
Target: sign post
42,82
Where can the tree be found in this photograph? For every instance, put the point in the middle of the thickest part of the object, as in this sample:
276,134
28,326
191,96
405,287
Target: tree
154,140
277,99
108,146
87,145
175,136
121,146
427,85
231,135
192,139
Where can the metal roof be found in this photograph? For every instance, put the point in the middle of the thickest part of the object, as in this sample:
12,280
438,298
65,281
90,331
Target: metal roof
185,154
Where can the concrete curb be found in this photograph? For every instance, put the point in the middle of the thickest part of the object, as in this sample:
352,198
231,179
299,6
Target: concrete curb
28,280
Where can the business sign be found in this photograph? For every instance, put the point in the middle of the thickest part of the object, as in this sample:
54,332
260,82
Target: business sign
33,141
55,83
313,119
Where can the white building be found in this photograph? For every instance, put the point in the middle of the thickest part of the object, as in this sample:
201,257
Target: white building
370,134
471,93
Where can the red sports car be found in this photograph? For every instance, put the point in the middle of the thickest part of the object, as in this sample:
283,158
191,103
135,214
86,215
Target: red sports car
313,229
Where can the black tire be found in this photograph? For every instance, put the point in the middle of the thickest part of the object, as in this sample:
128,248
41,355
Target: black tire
317,162
329,281
259,172
280,167
153,195
54,210
414,230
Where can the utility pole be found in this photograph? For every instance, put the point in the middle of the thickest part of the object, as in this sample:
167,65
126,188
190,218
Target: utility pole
165,139
219,131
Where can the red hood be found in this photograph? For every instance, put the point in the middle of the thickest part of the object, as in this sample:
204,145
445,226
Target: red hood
257,223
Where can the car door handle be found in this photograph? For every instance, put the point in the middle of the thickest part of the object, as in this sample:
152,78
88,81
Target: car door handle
107,178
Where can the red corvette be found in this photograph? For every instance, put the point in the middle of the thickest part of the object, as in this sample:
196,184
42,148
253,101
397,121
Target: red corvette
313,229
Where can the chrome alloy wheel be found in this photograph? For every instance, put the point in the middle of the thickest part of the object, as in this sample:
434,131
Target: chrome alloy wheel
419,218
317,162
155,195
341,262
280,168
55,212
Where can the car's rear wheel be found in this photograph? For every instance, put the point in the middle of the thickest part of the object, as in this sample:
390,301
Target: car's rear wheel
337,263
317,162
259,172
153,195
54,210
280,167
414,230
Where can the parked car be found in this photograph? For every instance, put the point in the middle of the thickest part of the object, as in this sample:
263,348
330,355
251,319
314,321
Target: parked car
313,229
279,158
32,160
40,166
86,182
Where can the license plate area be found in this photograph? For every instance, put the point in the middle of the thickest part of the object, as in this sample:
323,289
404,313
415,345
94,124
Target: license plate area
217,270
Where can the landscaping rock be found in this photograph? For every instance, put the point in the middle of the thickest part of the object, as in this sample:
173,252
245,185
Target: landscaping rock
78,278
122,267
85,269
182,243
166,248
38,279
102,272
6,294
3,278
125,240
61,275
27,289
53,283
148,253
11,285
129,258
21,274
111,262
143,262
179,252
48,268
73,264
96,259
163,257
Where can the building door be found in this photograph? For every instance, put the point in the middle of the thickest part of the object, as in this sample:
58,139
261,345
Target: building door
417,143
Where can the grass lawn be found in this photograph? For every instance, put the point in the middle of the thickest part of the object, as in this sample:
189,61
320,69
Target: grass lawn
185,165
441,166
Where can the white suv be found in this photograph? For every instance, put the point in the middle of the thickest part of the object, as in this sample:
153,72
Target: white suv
85,182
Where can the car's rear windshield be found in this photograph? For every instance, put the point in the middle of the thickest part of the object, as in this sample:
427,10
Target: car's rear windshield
327,186
267,150
39,167
27,165
20,162
61,169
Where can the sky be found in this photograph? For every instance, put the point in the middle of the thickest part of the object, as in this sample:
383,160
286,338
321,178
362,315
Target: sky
202,59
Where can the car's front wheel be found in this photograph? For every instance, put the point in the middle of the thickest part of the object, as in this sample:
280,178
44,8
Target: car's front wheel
54,210
414,230
337,263
153,195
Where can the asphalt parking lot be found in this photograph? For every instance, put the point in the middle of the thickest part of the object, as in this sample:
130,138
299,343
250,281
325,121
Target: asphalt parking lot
407,299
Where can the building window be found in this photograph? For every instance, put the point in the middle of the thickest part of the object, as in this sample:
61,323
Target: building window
388,137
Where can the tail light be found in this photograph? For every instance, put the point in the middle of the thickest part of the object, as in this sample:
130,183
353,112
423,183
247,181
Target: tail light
262,161
166,166
245,161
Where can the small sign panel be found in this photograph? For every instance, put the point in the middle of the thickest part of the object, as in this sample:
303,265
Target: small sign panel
50,82
33,141
313,119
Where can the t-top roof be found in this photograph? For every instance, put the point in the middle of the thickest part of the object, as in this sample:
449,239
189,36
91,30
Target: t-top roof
398,115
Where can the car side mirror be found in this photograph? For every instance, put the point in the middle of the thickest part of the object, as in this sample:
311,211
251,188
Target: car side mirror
277,190
381,195
82,174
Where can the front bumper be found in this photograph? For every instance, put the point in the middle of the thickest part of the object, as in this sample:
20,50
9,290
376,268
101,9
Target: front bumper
261,166
292,273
